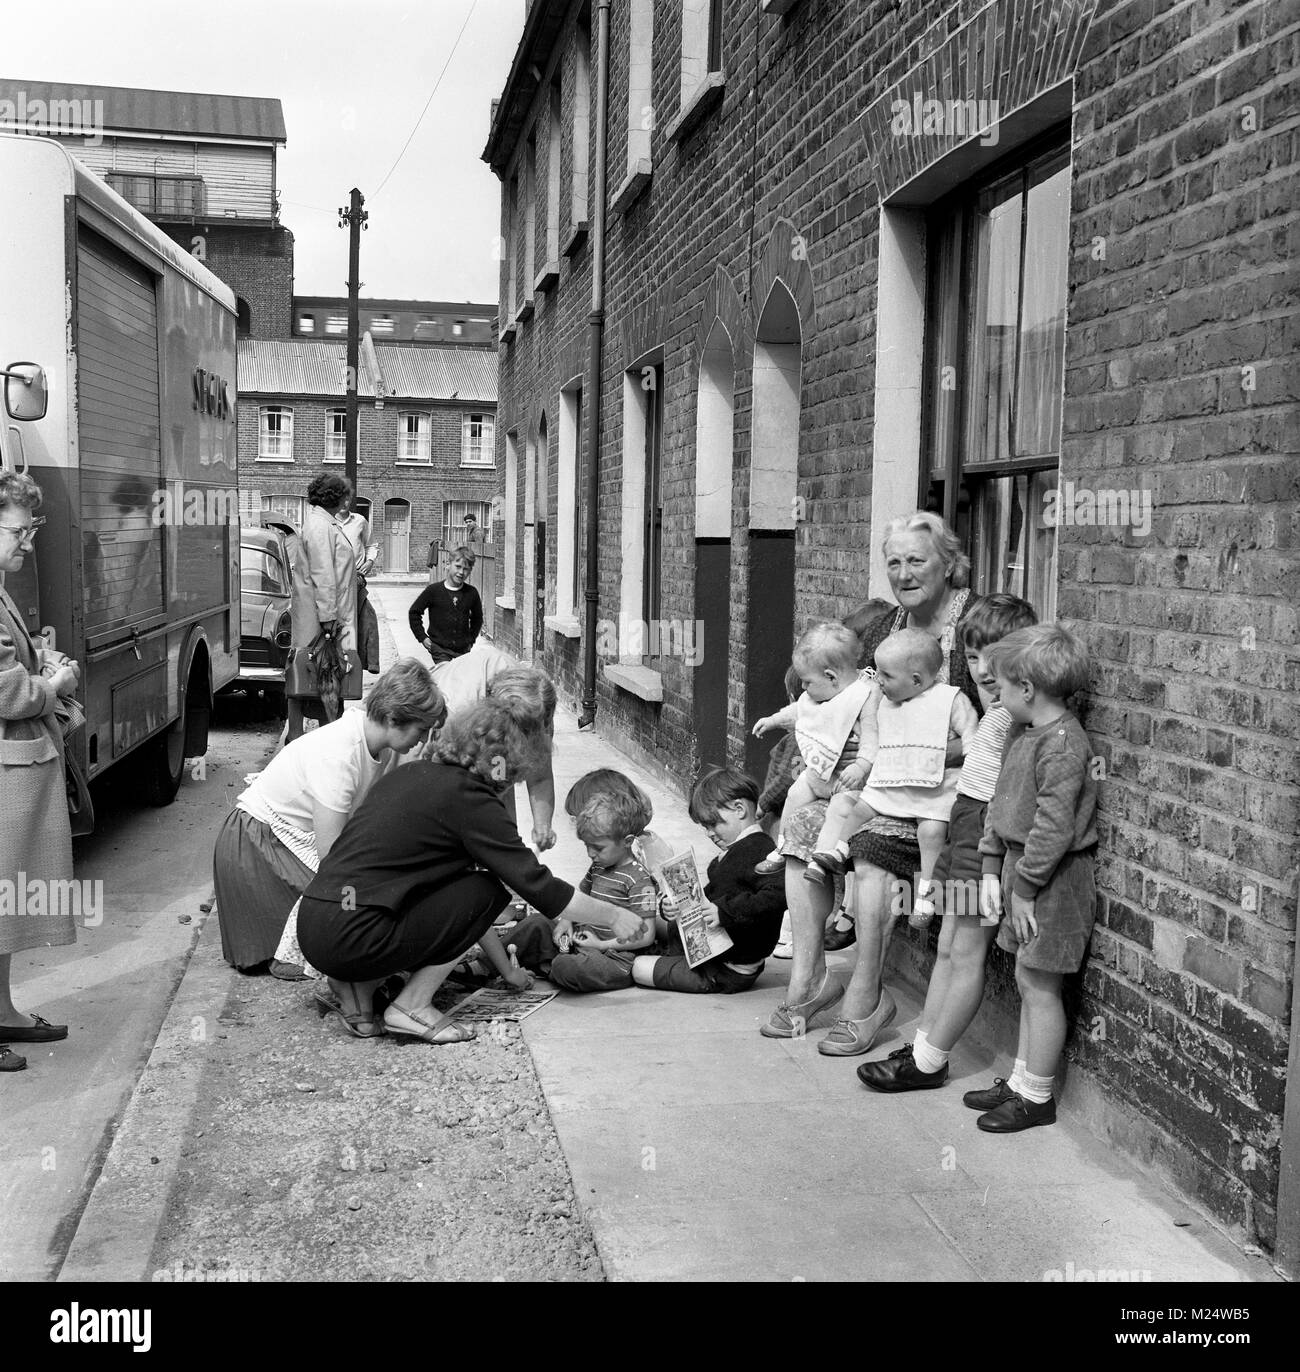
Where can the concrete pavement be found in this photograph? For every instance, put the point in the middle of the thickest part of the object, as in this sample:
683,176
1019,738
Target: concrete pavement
703,1151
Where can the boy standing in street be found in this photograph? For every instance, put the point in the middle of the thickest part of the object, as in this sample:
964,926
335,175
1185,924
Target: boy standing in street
455,612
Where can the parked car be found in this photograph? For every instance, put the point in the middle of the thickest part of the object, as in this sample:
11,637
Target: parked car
264,625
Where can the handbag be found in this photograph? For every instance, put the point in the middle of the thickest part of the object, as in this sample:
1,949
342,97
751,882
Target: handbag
81,809
302,672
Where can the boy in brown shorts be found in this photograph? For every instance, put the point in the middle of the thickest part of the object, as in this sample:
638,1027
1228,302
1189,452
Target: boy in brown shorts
1040,834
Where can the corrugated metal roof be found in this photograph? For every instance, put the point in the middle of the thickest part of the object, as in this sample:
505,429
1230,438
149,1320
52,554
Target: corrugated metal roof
314,367
127,110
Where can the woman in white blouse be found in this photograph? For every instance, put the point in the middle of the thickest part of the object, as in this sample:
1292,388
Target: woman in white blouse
272,842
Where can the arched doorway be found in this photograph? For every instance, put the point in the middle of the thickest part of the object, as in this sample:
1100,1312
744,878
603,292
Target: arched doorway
714,442
397,535
773,481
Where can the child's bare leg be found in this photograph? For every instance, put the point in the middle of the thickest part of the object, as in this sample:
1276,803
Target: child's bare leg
846,812
1045,1015
968,952
931,834
936,993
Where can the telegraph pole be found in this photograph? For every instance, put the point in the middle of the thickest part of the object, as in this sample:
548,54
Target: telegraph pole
356,219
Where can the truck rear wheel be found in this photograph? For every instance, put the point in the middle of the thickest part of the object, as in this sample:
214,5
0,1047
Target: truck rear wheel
162,761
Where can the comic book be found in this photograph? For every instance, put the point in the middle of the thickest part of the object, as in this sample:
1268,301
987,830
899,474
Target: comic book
700,941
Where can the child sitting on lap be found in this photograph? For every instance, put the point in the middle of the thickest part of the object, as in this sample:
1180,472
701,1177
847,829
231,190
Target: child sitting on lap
828,718
748,906
904,754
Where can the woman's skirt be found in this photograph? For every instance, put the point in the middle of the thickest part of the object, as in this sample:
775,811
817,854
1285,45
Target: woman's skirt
371,942
886,843
257,881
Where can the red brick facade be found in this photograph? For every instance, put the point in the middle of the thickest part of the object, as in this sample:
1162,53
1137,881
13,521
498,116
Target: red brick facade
1178,382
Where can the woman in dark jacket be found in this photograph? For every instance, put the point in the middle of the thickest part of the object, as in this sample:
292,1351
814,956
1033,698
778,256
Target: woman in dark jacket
420,872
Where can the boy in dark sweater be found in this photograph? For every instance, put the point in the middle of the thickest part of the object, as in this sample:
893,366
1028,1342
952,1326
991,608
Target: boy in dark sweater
454,609
748,906
1040,833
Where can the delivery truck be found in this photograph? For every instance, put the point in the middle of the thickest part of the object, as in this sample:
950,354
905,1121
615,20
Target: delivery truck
118,353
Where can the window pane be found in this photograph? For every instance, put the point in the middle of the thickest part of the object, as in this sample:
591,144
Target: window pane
1042,317
945,356
1013,549
995,315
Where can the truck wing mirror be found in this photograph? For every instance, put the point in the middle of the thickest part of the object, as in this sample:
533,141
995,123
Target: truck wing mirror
26,393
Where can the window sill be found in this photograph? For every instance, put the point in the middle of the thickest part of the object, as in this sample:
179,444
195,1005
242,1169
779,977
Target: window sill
506,602
414,462
637,179
642,682
478,466
525,312
566,626
547,277
708,96
778,6
288,461
334,461
575,240
507,335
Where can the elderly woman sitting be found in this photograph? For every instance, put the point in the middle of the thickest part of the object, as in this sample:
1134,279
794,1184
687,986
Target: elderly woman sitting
420,872
289,817
927,573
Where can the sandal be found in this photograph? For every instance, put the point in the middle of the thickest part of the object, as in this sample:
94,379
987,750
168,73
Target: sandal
359,1025
11,1062
437,1031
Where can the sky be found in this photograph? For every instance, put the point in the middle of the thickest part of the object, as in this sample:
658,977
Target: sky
352,76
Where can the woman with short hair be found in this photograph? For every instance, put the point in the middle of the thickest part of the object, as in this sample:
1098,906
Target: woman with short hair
421,871
928,575
289,817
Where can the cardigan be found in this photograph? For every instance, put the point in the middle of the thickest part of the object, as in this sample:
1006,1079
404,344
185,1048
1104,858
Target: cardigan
750,907
422,826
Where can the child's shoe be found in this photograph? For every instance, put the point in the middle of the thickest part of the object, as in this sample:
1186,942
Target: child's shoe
1016,1114
990,1098
833,862
899,1072
924,908
771,864
813,872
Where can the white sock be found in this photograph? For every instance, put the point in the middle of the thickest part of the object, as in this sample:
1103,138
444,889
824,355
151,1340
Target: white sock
927,1057
1036,1089
1017,1078
841,850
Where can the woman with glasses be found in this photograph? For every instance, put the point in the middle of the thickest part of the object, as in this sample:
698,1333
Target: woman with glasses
35,837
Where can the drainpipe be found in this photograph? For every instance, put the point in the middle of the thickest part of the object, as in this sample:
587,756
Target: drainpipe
591,384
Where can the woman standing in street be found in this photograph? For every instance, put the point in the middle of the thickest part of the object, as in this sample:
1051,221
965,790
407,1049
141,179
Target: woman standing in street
35,836
420,872
324,587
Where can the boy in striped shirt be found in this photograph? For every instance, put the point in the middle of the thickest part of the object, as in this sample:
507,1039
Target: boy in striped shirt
592,960
957,981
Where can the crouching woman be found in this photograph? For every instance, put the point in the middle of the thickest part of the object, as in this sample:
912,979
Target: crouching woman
420,872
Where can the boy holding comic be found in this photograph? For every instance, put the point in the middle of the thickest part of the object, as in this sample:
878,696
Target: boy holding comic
746,904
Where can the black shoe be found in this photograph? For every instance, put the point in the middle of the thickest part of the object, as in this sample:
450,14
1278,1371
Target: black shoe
1016,1114
835,939
989,1099
42,1031
899,1072
830,862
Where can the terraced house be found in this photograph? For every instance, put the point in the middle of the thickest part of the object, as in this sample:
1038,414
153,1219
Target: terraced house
1021,262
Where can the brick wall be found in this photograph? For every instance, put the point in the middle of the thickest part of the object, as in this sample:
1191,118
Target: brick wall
380,477
257,264
1178,381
